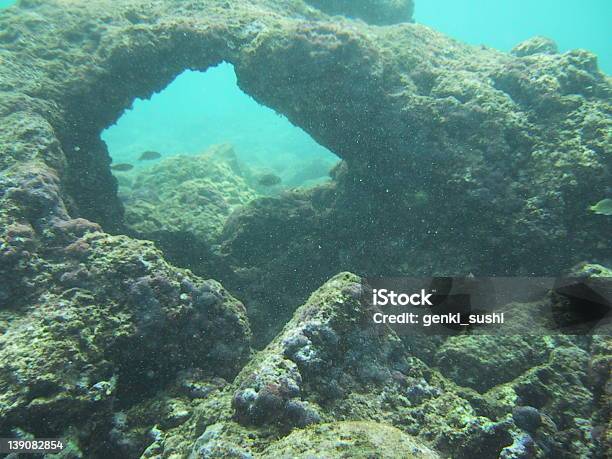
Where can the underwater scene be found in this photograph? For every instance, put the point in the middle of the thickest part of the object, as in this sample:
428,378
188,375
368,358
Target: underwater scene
305,229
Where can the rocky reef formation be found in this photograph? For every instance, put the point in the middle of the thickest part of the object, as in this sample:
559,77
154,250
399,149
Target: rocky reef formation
186,194
349,439
460,160
331,384
105,322
455,159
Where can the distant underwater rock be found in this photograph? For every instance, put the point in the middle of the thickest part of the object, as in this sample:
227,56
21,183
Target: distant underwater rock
379,12
535,45
268,180
310,171
187,194
349,439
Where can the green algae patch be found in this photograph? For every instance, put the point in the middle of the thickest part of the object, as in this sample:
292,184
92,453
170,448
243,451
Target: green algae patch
349,440
481,362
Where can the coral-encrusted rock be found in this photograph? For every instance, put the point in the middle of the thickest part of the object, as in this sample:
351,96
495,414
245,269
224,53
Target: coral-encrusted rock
510,149
330,363
114,319
436,136
564,396
350,439
535,45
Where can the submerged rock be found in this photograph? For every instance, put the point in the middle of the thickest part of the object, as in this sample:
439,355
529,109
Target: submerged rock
527,418
349,439
379,12
329,365
117,333
535,45
456,159
192,195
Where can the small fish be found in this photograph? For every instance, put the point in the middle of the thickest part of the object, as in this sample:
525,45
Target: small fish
149,155
603,207
123,167
269,180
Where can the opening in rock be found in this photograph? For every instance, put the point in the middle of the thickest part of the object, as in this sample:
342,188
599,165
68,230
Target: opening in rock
195,152
200,152
201,109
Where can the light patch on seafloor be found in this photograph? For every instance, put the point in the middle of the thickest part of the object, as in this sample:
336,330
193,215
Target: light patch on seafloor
200,109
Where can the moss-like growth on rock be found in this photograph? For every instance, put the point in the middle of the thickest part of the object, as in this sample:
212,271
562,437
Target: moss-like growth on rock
187,194
349,440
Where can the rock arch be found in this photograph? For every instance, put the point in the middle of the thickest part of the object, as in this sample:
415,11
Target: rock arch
467,159
79,66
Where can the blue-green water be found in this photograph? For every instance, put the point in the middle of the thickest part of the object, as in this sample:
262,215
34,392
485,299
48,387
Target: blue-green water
502,24
201,109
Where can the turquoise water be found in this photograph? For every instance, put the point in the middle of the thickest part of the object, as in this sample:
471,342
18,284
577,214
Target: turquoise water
201,109
502,24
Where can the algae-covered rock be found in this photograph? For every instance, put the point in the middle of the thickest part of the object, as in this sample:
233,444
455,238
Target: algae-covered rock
456,159
349,439
113,322
535,45
560,390
267,242
482,362
329,363
187,194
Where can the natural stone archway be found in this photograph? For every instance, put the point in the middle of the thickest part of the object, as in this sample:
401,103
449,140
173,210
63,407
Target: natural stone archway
105,56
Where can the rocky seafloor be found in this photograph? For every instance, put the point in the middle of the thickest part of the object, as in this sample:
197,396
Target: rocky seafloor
455,160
